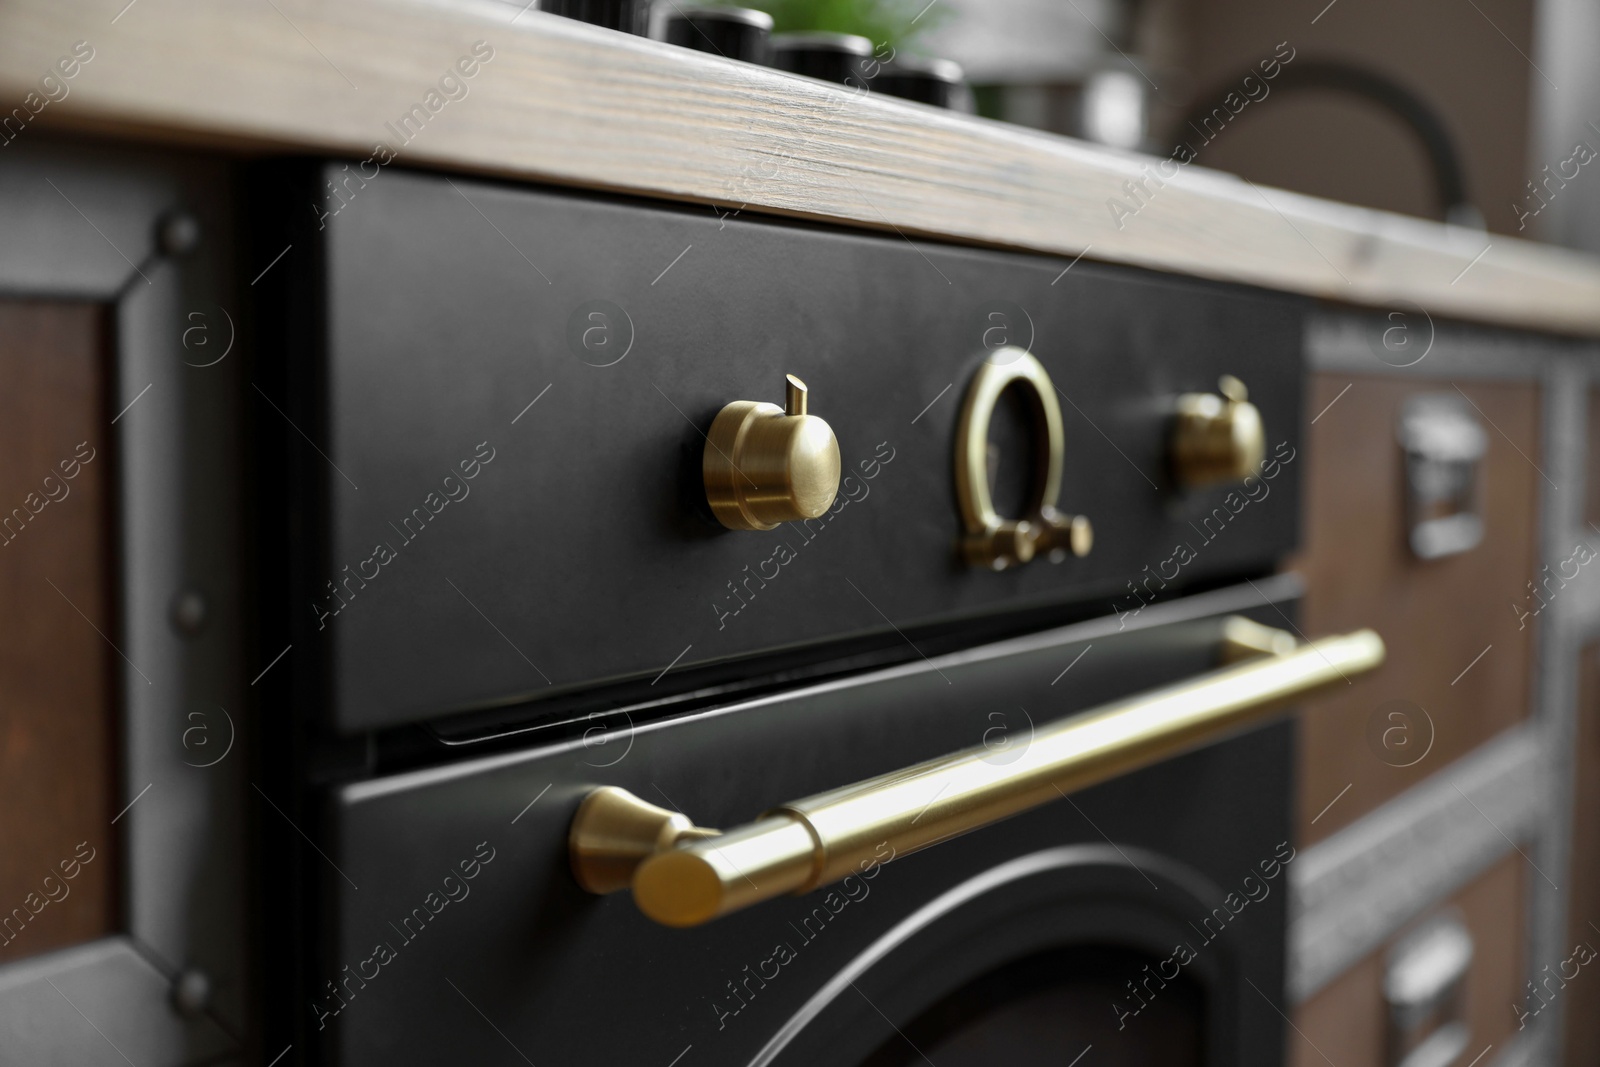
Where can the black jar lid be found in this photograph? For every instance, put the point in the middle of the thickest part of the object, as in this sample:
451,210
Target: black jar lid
629,16
834,57
734,32
927,81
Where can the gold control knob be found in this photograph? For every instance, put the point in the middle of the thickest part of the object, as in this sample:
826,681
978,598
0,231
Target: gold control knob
1217,438
764,464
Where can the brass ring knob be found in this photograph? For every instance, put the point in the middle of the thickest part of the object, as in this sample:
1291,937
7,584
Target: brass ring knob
1217,438
764,465
992,541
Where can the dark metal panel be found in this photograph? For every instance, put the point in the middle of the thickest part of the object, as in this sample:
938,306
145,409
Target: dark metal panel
178,435
88,229
523,965
584,551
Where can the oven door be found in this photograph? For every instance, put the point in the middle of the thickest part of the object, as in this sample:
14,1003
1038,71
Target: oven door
1144,916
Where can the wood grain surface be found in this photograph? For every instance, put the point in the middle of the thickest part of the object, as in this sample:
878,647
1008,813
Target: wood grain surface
568,103
58,718
1437,616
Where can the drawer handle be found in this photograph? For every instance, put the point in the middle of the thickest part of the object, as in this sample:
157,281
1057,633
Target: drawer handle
683,875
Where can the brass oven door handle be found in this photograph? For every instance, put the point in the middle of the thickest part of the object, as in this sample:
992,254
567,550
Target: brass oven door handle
683,875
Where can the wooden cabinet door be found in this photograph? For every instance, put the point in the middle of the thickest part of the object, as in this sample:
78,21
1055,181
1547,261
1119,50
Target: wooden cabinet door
1458,648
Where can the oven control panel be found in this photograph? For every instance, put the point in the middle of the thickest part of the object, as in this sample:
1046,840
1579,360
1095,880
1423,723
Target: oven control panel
566,440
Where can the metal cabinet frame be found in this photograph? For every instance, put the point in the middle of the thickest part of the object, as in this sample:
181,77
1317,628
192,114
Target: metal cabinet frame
85,222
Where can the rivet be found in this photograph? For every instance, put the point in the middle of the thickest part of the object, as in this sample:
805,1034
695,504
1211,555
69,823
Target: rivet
191,992
189,611
178,233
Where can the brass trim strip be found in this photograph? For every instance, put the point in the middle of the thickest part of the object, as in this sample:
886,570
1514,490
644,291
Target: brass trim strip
818,840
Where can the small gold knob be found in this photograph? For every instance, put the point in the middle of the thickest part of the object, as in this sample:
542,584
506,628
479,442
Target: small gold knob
1217,438
1007,543
1061,535
764,464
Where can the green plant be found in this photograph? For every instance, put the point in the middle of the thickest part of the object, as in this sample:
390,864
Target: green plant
885,22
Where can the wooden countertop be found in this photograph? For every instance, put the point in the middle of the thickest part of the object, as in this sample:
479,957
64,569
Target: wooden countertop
566,103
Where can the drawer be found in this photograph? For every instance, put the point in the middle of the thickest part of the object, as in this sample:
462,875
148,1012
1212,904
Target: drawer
515,516
1346,1023
1459,650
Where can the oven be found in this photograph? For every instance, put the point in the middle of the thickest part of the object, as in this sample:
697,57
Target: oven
719,640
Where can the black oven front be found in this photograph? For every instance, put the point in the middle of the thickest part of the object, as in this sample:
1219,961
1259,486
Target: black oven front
490,536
